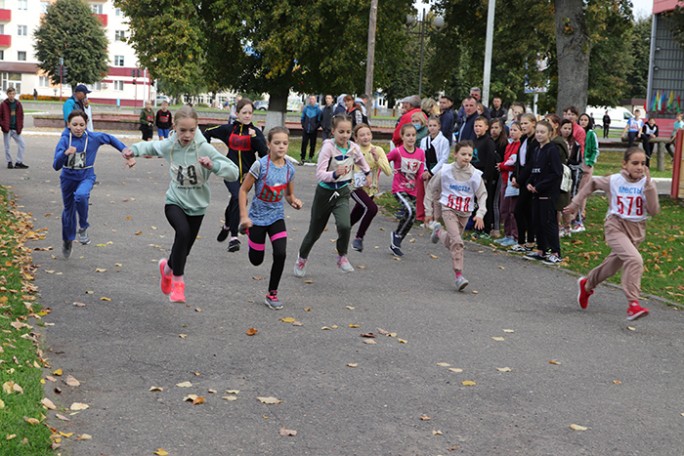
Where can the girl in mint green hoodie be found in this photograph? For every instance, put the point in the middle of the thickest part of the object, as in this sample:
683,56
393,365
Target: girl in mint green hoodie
191,161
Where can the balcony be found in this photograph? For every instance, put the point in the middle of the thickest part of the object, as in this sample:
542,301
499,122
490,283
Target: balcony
5,15
102,18
5,41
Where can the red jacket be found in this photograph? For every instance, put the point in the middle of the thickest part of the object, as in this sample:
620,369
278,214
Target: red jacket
405,119
5,116
511,148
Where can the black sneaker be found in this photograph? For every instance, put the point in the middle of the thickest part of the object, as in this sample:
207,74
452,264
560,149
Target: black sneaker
10,165
395,245
234,245
223,234
534,255
66,249
20,165
357,244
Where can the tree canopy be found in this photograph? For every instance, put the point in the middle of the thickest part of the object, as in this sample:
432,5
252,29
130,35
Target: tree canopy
69,30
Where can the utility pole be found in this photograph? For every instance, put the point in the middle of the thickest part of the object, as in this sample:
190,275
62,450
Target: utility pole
370,57
489,44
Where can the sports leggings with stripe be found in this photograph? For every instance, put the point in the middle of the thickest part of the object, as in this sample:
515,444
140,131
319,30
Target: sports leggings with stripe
257,246
364,210
408,203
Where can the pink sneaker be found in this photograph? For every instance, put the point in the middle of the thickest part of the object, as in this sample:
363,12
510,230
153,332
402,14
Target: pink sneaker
177,292
583,294
165,282
344,264
635,311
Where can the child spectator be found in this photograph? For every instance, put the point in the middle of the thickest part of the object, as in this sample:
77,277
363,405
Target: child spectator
590,155
485,159
272,177
543,184
409,164
575,165
632,197
452,191
523,208
649,130
499,133
354,111
509,193
191,161
147,122
633,128
75,155
335,171
163,121
365,208
12,123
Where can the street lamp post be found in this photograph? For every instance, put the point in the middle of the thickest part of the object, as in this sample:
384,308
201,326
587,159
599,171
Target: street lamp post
437,23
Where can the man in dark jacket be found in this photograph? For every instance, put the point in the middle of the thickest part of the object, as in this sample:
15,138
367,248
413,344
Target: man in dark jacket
12,122
326,116
311,121
446,117
498,111
469,115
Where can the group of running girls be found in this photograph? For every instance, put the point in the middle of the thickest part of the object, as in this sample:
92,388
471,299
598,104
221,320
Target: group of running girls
454,192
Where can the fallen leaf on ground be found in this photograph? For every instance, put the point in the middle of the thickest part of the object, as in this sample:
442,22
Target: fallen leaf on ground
10,387
308,281
443,364
105,299
79,304
211,391
457,370
425,418
554,362
474,292
48,404
468,383
62,417
403,341
183,336
161,452
352,364
370,342
57,372
31,421
368,335
617,382
297,323
184,385
498,338
434,257
232,391
10,436
268,400
258,277
66,435
287,432
504,369
84,437
436,432
2,404
326,328
229,398
508,330
100,270
251,331
288,320
631,328
20,325
307,309
156,389
76,406
577,427
195,399
350,307
71,381
354,325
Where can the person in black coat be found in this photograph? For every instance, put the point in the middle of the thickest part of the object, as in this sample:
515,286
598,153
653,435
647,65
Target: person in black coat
485,159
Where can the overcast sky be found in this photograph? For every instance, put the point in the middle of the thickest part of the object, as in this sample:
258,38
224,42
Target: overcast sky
641,7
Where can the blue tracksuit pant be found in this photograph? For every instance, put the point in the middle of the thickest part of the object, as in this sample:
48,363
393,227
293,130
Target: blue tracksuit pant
75,196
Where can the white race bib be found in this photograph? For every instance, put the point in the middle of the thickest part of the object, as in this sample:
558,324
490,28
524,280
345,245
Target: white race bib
627,199
456,195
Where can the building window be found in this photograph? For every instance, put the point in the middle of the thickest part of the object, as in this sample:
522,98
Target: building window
22,5
117,11
118,85
22,30
97,86
43,81
120,35
119,60
96,9
2,29
21,56
2,55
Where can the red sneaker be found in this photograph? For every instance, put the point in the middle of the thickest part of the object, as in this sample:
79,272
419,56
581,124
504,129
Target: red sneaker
165,282
177,292
583,294
635,311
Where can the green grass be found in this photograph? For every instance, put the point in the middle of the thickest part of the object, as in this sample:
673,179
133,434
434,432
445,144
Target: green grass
610,162
19,361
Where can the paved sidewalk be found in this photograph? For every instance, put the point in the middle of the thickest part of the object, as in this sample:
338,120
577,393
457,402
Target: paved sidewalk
622,381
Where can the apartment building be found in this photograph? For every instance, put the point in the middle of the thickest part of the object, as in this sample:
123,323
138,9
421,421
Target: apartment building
126,83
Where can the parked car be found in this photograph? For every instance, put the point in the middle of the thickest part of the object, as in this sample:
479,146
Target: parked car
161,98
261,105
618,116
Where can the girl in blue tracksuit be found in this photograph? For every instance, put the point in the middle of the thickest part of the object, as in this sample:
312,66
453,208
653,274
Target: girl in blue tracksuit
75,155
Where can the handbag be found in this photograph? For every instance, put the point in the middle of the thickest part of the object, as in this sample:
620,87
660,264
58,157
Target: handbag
510,190
566,183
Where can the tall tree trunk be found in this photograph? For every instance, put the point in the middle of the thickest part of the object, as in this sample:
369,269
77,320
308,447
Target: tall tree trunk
572,48
277,107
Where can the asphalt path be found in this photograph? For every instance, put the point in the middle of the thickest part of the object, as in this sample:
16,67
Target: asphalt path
621,380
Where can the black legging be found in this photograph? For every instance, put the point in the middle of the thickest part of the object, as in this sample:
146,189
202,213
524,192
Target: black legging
523,217
308,139
232,214
545,223
364,210
186,227
257,247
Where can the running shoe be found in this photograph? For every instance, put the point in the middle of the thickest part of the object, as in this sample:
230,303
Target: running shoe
300,267
395,245
165,282
66,249
357,244
272,301
552,260
10,165
223,234
461,283
518,248
509,242
534,255
344,264
577,228
234,245
83,236
436,229
635,311
582,293
20,165
177,292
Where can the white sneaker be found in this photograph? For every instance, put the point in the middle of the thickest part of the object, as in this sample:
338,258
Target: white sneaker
436,228
344,264
577,229
461,283
300,267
